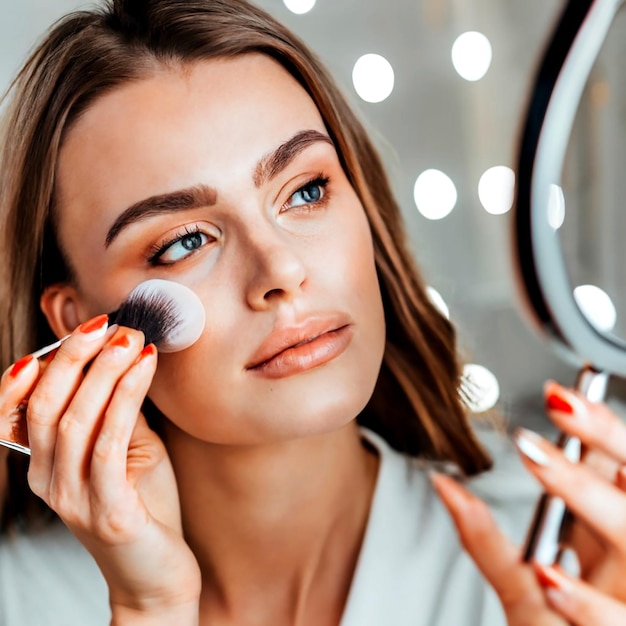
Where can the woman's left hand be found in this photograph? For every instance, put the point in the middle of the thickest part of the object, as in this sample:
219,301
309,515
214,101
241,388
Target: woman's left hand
595,491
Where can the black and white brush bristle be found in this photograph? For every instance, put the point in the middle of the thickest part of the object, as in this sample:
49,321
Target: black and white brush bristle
155,314
170,315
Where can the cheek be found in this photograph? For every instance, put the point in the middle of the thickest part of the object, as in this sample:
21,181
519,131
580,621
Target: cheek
201,368
189,388
351,261
350,276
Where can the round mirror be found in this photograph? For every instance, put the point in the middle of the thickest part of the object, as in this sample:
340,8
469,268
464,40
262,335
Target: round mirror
586,208
568,222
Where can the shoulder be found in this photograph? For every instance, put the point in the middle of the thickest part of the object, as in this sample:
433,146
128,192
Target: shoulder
48,578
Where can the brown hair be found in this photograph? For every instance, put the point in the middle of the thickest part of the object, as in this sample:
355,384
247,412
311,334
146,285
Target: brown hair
416,405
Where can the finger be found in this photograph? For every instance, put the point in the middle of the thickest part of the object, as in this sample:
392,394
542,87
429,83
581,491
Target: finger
109,477
17,380
577,601
595,501
495,555
592,422
52,395
15,386
80,424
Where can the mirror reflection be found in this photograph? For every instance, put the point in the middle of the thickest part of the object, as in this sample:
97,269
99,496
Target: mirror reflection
587,206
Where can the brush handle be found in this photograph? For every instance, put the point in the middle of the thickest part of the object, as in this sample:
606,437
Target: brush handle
15,446
545,539
48,349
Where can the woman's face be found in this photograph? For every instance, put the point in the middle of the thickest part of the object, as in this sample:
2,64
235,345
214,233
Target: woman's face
268,233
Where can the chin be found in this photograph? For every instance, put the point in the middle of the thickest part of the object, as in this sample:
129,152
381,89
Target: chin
315,403
292,412
317,417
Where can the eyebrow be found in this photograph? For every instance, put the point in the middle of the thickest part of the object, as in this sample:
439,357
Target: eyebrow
181,200
275,162
200,196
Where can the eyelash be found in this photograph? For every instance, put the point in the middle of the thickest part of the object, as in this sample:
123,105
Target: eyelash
158,250
320,180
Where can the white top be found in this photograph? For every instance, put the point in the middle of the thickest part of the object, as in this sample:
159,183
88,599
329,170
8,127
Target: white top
411,570
49,579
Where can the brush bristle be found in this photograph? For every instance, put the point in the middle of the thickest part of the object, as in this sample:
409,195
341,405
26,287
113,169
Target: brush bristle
170,315
152,313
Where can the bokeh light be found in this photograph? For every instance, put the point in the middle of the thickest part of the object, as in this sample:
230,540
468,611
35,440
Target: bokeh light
496,188
435,194
481,388
556,207
299,6
471,55
597,306
438,301
373,78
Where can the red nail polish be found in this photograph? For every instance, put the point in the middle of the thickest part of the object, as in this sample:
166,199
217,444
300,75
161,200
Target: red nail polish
555,402
94,324
547,577
121,341
149,350
20,365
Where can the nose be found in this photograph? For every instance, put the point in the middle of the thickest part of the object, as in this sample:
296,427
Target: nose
278,271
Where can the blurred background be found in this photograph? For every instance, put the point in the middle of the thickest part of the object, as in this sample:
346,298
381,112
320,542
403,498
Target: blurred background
442,85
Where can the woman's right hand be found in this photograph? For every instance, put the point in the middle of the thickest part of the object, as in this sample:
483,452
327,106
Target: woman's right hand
95,461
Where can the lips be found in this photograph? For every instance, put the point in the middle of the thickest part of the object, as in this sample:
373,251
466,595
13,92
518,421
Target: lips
289,350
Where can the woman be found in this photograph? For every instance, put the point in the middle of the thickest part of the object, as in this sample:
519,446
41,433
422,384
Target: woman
200,142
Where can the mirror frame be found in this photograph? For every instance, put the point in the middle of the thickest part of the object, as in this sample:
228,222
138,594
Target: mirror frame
540,269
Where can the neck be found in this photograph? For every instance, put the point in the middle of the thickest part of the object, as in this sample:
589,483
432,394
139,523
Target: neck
276,529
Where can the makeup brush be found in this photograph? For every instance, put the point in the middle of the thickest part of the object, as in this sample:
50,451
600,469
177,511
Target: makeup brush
170,315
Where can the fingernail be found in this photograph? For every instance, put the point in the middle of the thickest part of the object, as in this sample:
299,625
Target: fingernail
556,402
121,341
95,328
20,365
149,350
527,443
448,486
552,579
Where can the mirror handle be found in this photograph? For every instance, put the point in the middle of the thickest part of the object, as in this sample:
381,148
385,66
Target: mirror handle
544,542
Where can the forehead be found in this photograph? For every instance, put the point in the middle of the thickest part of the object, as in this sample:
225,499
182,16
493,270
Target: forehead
209,121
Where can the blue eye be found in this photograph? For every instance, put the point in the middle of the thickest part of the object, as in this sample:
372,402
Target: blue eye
179,248
312,193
